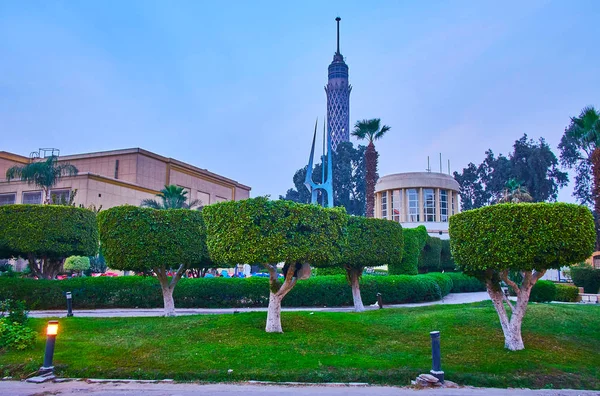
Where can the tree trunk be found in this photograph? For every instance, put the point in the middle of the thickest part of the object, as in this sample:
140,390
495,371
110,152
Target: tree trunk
274,314
167,286
169,303
47,198
511,327
276,294
371,177
595,159
354,277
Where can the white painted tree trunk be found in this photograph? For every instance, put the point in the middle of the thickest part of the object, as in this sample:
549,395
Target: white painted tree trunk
168,300
354,283
511,327
274,314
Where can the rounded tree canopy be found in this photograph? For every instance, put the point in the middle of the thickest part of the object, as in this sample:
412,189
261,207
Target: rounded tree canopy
142,239
524,237
51,231
258,230
77,263
372,242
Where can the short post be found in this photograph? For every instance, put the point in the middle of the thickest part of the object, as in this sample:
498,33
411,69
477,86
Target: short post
379,300
436,357
51,332
69,305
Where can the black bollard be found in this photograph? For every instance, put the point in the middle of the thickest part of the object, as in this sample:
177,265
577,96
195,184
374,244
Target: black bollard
379,300
436,356
51,332
69,305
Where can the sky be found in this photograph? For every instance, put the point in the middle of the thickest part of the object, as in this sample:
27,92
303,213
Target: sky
235,87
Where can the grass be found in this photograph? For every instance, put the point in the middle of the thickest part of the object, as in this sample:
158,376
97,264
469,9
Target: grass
386,347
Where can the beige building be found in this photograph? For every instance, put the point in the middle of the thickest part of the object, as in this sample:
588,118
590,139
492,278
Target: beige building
118,177
418,198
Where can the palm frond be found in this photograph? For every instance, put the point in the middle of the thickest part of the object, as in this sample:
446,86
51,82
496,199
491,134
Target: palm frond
151,203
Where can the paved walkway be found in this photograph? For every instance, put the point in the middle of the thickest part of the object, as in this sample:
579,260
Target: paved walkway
452,298
15,388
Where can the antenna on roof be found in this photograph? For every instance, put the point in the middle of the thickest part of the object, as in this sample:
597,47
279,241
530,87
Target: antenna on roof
428,167
338,19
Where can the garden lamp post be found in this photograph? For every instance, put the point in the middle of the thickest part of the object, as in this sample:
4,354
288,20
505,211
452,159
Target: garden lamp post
69,305
51,332
436,356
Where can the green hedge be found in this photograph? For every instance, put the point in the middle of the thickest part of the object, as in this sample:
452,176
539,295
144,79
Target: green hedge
462,283
566,293
587,277
144,292
543,291
414,241
429,260
446,259
444,281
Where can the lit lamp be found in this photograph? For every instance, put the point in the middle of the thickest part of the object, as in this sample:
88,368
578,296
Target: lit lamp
51,332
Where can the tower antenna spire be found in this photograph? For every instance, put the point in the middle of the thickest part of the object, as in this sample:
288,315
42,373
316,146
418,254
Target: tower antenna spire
338,19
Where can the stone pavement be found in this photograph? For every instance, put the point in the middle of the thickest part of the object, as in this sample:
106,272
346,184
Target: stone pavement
452,298
15,388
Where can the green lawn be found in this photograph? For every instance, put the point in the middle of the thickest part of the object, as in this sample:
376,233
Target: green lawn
388,347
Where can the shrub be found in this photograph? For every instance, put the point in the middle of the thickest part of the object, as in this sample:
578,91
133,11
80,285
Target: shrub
77,263
587,277
414,241
14,335
446,260
543,291
47,232
566,293
444,282
429,260
530,238
13,310
462,283
144,292
326,271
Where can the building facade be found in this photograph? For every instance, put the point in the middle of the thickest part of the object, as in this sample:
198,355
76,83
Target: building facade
119,177
338,97
418,198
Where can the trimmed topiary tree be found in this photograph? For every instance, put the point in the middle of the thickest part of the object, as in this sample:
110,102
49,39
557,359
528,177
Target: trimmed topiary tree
528,238
77,263
260,231
414,241
46,234
166,242
430,258
446,259
369,242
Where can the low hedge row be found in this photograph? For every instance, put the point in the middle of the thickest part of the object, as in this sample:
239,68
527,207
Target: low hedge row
546,291
462,283
566,293
144,292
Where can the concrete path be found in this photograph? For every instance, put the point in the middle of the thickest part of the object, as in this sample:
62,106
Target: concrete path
452,298
15,388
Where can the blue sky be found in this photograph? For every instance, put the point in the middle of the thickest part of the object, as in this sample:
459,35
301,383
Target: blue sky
235,86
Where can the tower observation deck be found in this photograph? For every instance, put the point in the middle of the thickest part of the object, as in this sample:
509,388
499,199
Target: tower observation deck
338,97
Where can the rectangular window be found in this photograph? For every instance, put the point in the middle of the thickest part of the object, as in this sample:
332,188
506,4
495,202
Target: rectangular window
60,197
444,205
429,204
413,205
384,205
204,198
396,205
452,200
220,199
8,199
32,197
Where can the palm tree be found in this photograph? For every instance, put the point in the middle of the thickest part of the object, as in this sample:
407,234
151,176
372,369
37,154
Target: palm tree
44,174
371,130
514,192
171,197
580,149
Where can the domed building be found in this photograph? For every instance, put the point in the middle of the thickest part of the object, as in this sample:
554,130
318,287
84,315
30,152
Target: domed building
418,198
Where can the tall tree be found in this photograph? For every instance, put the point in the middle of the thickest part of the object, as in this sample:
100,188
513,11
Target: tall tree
532,165
372,131
580,149
44,174
515,193
171,197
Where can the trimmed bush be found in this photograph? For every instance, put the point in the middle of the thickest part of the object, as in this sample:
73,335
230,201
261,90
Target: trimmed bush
429,260
587,277
327,271
566,293
77,263
543,291
49,233
446,261
144,292
462,283
444,282
414,241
